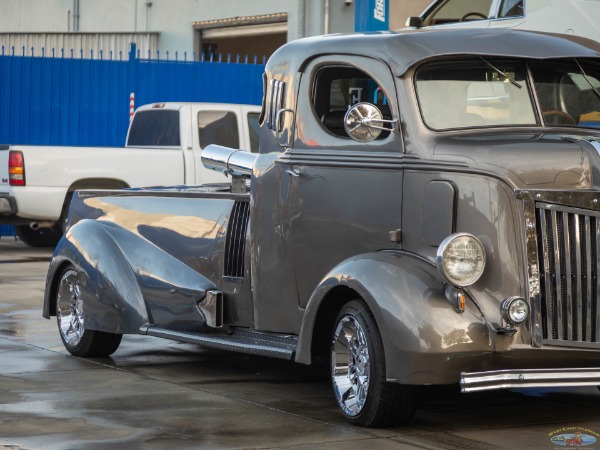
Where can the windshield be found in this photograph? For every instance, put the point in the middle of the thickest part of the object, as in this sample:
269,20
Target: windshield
492,92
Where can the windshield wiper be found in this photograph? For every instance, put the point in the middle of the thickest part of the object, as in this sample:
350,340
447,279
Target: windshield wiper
504,74
586,77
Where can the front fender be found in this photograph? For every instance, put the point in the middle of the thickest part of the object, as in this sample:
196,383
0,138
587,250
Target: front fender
126,282
425,340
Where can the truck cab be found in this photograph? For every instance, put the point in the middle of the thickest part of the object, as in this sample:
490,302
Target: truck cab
423,210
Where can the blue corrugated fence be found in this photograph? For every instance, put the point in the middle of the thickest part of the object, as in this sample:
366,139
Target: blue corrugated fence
66,99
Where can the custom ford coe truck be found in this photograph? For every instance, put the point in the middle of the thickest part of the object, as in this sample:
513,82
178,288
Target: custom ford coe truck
424,209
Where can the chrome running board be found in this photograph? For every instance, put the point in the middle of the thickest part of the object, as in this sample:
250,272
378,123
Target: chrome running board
528,378
243,341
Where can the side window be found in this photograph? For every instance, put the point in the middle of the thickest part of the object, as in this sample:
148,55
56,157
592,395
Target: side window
155,128
454,11
218,127
511,8
337,89
253,130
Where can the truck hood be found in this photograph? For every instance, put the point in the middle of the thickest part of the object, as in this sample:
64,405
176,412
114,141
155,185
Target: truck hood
529,160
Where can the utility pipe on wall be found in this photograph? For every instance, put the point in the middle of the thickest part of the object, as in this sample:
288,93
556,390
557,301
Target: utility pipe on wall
75,15
326,20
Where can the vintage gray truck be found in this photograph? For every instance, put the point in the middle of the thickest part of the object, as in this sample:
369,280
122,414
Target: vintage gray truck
423,210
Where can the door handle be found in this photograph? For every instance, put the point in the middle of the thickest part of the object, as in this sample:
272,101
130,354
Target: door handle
294,173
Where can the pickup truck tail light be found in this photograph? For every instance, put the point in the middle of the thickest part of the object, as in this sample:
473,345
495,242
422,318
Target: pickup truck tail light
16,168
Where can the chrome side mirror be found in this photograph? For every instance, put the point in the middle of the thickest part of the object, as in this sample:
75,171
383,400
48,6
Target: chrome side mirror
364,122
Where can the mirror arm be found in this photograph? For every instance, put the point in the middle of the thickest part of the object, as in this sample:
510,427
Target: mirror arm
393,122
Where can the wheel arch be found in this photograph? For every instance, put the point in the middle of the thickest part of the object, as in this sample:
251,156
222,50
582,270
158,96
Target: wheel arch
405,295
97,183
115,303
87,183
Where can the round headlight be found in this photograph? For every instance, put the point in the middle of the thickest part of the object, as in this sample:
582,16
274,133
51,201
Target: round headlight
461,259
514,310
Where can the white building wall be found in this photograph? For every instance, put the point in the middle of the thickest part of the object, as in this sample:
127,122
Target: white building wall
173,19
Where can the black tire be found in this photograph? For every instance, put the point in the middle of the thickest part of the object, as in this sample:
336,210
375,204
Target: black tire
70,317
358,373
42,237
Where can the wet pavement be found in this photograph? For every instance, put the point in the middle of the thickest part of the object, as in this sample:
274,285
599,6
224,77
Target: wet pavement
158,394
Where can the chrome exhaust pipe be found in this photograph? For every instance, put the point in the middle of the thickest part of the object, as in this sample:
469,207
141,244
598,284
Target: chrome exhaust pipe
237,163
37,225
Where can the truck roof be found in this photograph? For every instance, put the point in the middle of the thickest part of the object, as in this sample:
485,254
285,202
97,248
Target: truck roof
405,48
179,105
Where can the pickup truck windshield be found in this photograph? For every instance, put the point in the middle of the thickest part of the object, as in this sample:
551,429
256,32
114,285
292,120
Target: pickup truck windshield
482,93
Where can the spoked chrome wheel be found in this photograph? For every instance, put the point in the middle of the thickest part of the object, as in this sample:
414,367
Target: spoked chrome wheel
71,319
358,372
350,365
69,309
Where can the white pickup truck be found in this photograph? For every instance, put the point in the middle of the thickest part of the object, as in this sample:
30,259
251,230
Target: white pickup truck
163,147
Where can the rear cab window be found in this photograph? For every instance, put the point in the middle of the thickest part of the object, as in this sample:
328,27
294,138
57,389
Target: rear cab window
155,128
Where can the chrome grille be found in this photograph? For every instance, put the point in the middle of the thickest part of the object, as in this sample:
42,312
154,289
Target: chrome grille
236,240
568,240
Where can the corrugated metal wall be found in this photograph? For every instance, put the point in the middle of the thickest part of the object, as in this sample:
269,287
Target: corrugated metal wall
86,45
65,100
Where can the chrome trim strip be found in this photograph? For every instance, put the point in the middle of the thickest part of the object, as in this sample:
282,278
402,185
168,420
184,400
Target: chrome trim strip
533,273
282,347
577,242
558,265
528,378
594,299
589,276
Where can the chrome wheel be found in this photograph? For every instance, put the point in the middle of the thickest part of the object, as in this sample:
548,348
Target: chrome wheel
350,365
69,309
358,372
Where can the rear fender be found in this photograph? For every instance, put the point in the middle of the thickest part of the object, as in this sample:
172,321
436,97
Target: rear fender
421,331
124,278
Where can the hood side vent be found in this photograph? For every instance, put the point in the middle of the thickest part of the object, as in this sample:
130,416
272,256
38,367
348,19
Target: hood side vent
235,246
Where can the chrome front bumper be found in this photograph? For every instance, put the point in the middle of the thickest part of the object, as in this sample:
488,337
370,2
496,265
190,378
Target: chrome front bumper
528,378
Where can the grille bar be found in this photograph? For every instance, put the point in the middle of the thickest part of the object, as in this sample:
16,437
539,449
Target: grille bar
569,245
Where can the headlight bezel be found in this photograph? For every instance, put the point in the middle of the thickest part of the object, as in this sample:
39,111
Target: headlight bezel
506,307
443,257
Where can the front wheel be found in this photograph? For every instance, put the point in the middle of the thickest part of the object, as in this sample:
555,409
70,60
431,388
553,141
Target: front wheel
358,373
70,315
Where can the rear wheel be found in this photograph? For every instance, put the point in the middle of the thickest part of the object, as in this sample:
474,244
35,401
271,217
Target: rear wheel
358,373
42,237
70,316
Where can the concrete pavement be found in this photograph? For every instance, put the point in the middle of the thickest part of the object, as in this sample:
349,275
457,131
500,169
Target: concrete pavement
158,394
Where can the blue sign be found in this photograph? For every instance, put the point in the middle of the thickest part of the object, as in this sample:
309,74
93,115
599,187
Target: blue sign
371,15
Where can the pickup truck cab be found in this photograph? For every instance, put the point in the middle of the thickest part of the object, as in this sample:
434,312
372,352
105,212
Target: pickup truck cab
164,146
423,210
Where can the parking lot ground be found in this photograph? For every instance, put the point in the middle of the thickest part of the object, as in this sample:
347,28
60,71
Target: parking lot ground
155,394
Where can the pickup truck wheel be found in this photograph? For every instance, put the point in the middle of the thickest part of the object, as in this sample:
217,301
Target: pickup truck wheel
42,237
358,373
70,315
